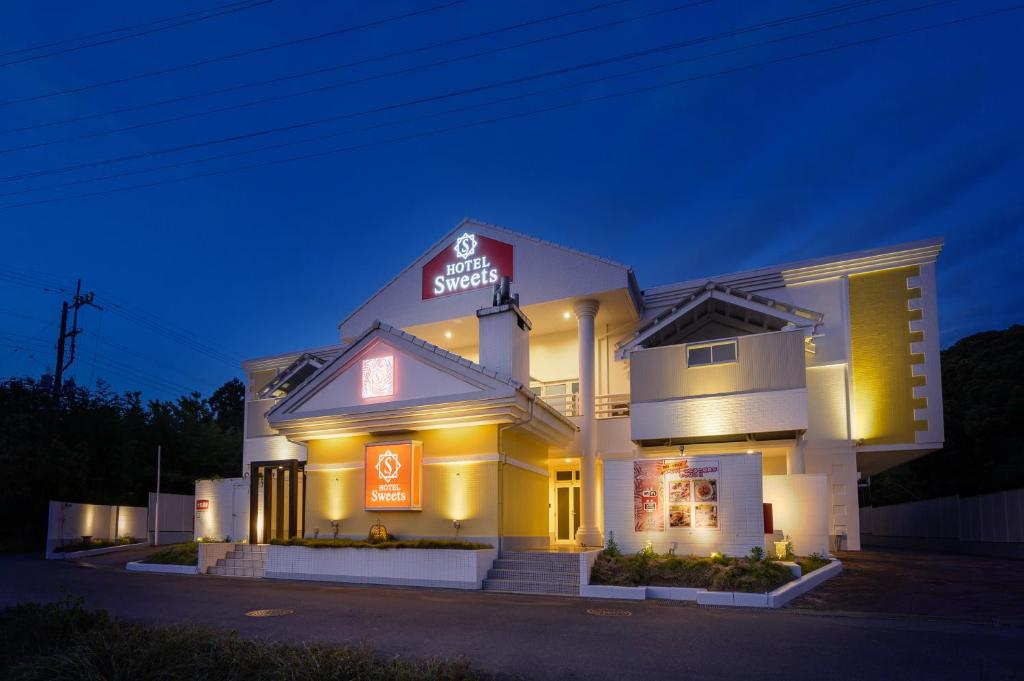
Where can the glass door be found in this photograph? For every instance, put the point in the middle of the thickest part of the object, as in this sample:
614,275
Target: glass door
567,505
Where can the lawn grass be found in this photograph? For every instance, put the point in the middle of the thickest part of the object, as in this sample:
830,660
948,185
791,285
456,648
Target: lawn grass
752,574
66,641
95,544
176,554
812,562
389,544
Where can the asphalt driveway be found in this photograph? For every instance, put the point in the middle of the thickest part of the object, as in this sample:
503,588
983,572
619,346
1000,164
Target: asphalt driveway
541,637
899,583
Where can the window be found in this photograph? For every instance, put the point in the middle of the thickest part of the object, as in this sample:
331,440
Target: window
711,353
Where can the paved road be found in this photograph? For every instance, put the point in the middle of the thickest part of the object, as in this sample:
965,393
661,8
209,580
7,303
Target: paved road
922,584
545,638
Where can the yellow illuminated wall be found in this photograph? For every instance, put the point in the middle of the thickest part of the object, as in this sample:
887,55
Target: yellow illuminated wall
466,491
881,360
442,442
525,512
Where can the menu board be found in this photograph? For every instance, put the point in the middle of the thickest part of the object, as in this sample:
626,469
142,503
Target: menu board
648,513
692,499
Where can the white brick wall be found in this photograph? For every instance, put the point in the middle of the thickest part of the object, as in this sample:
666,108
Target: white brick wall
759,412
455,569
740,514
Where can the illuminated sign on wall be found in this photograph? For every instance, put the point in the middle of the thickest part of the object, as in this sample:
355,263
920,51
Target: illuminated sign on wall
392,474
379,377
472,262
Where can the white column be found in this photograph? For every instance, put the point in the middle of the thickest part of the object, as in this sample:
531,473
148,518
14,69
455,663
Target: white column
588,533
796,457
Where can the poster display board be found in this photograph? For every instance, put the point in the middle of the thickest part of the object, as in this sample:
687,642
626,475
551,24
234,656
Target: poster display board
677,493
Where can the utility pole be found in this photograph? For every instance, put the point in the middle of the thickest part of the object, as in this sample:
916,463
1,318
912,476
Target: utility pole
156,523
79,301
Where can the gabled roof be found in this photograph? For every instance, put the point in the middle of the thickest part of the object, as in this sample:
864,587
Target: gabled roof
803,271
786,314
470,223
488,396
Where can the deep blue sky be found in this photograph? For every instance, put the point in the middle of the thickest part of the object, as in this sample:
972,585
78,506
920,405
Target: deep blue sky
897,140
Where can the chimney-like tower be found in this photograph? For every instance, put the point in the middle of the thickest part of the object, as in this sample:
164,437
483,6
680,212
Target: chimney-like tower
505,335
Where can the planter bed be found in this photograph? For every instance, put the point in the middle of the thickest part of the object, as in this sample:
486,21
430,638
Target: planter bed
69,555
772,599
166,568
448,568
787,592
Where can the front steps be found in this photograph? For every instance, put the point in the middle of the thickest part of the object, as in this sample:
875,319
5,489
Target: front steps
246,560
535,572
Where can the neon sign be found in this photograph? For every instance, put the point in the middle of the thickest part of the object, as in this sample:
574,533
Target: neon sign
379,377
472,262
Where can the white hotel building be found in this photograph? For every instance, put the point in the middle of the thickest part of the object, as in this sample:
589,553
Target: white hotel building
694,416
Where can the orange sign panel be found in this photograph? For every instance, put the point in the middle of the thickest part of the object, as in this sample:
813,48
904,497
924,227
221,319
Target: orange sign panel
392,476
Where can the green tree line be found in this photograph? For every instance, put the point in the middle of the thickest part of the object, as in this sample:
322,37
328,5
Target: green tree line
983,403
97,446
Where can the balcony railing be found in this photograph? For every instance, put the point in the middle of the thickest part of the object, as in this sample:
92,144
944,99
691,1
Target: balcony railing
611,406
566,404
605,406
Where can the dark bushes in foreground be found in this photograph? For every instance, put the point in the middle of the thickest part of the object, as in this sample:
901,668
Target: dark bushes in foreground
66,641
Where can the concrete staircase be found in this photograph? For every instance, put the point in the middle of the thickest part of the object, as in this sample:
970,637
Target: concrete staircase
246,560
535,572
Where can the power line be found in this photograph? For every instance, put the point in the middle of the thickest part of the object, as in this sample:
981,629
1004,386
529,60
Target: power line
111,31
236,55
320,71
423,100
533,112
183,22
457,93
131,372
364,79
145,319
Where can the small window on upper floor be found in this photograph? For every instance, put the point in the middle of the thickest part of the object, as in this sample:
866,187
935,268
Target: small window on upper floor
711,353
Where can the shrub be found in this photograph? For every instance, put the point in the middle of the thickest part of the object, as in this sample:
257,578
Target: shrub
176,554
389,544
611,549
65,641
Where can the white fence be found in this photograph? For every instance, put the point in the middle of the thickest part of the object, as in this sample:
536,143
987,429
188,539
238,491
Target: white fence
176,517
70,522
987,524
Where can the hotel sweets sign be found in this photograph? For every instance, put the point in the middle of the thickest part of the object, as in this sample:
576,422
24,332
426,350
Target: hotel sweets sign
471,262
392,476
679,493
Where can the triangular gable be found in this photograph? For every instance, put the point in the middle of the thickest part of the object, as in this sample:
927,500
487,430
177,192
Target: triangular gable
387,369
541,271
764,309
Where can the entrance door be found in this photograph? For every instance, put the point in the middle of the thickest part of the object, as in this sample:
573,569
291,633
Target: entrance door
567,505
276,492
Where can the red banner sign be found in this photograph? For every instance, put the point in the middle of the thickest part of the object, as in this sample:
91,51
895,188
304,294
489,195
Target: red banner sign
202,504
471,262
